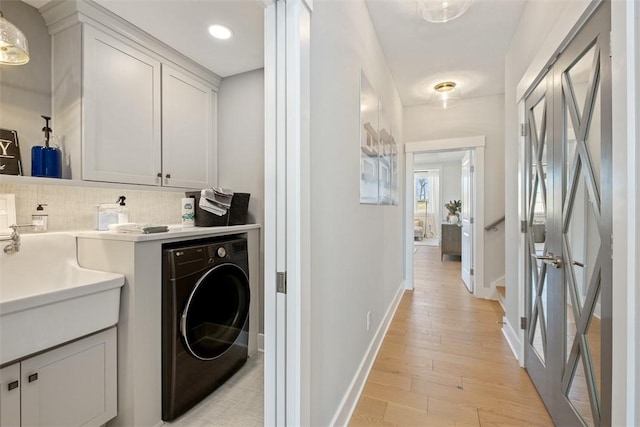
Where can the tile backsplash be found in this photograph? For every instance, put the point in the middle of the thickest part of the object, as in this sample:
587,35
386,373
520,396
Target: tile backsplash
74,208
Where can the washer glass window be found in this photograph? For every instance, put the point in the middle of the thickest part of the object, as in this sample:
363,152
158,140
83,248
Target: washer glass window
215,311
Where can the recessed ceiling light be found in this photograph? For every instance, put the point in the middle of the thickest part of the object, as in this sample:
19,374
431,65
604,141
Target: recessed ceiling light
220,32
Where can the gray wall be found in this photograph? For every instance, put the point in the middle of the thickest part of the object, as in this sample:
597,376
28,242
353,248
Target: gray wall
356,250
241,145
25,90
472,117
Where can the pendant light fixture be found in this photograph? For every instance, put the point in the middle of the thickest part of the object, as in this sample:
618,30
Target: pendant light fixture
14,48
439,11
446,95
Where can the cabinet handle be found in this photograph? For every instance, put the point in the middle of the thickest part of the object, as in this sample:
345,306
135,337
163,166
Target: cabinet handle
159,175
33,377
14,384
168,176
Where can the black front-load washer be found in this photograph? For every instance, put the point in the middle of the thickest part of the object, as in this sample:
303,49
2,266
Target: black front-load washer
205,319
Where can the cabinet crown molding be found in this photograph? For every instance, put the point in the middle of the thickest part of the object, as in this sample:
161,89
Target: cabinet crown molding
60,15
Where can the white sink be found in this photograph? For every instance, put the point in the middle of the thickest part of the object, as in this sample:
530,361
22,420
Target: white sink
47,299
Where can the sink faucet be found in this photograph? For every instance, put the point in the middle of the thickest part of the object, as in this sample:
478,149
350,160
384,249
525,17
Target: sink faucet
14,246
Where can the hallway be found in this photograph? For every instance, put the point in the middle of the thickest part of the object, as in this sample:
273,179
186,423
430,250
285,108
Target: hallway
444,361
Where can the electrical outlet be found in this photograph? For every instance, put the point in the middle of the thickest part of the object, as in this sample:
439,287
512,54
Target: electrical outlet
368,320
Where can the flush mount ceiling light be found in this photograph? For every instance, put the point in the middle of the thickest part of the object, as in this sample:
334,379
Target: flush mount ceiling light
445,96
14,48
220,32
439,11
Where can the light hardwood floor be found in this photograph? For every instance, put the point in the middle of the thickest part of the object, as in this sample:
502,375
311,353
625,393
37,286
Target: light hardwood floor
444,361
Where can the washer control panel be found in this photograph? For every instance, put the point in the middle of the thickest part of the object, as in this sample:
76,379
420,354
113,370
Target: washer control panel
218,253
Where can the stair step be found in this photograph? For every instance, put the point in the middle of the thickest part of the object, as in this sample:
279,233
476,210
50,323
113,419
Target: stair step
502,291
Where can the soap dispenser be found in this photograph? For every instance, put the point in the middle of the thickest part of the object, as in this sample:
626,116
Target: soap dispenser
123,211
40,220
46,160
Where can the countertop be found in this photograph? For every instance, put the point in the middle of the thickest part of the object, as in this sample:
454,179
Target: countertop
175,232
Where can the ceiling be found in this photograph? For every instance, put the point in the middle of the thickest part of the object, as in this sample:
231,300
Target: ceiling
469,50
183,25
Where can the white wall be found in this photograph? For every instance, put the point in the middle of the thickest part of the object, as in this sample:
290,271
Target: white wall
472,117
625,76
450,182
25,90
241,145
241,138
356,250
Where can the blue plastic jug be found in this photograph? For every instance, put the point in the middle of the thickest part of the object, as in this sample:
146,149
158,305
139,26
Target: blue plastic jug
46,161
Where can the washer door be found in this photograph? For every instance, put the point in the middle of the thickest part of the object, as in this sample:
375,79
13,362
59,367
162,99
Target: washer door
215,311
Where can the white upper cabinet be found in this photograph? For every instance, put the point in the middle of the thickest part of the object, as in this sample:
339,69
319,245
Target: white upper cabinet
188,122
121,139
128,108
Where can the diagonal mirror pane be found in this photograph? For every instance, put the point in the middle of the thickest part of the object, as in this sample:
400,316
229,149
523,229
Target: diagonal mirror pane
539,335
570,327
583,236
579,395
579,75
537,343
594,344
534,287
538,216
594,138
571,145
539,119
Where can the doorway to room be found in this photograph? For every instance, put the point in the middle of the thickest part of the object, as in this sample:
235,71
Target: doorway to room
444,201
440,218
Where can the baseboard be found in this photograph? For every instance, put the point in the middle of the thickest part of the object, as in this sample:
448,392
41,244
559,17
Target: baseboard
479,291
351,397
512,338
498,282
261,343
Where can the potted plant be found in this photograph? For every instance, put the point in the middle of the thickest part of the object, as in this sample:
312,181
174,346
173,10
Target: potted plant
454,208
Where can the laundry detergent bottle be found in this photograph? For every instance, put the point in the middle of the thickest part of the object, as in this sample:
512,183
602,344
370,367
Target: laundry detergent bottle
46,159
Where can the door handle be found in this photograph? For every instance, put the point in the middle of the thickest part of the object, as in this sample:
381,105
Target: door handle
555,261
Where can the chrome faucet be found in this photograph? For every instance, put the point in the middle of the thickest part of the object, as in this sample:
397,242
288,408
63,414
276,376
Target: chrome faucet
14,246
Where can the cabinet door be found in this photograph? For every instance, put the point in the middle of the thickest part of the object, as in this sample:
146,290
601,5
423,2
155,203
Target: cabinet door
121,111
74,385
188,141
10,396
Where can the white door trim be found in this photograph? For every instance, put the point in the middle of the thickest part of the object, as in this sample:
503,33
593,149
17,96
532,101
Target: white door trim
287,212
408,220
298,213
477,144
270,323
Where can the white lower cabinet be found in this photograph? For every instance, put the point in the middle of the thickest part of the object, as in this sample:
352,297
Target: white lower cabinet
72,385
10,396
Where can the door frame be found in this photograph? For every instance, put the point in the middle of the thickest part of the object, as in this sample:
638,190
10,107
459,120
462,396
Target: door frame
287,212
625,68
477,145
